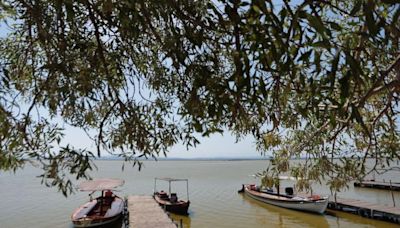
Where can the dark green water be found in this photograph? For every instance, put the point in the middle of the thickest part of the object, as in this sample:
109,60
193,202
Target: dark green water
213,189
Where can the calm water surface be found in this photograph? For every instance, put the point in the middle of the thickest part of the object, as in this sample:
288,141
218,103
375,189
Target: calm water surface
213,189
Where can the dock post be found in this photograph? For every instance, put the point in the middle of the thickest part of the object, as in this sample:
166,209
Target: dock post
126,213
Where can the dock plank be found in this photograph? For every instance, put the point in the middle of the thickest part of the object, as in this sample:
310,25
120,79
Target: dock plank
144,212
359,203
366,209
394,186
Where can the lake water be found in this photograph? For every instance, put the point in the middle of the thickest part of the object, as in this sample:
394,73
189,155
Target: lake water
213,189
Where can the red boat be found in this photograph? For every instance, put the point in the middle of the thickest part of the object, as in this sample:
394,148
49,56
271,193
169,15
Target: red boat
169,201
102,210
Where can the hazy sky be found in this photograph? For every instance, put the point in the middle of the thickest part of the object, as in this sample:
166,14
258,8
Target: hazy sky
210,147
218,146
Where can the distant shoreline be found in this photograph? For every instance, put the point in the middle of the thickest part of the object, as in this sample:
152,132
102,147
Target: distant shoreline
185,159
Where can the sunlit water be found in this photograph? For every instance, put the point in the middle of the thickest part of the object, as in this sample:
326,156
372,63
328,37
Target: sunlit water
213,194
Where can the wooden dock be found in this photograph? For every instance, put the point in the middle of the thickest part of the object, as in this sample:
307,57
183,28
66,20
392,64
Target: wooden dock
144,212
378,185
366,209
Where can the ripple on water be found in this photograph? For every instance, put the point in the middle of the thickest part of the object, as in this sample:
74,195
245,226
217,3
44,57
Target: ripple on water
213,194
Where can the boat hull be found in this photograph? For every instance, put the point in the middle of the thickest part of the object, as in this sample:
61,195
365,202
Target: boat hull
83,216
96,222
180,207
314,206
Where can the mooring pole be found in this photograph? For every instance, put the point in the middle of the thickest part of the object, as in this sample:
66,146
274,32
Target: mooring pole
155,183
169,188
187,189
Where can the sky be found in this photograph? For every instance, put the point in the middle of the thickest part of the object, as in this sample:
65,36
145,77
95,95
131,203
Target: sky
219,146
215,146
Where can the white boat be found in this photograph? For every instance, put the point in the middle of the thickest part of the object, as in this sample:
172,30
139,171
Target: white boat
314,203
102,210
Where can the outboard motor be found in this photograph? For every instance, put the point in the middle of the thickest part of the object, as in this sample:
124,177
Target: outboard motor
289,191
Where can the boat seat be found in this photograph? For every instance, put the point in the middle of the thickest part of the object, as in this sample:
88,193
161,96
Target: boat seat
173,198
108,193
253,187
115,208
85,209
108,198
289,191
163,195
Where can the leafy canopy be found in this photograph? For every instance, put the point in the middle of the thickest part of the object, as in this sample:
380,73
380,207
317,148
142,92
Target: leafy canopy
318,79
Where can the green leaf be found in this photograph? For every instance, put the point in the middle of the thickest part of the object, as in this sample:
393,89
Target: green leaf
211,110
6,79
302,14
283,14
70,10
335,26
396,16
354,65
256,9
391,2
317,61
322,44
356,8
344,87
262,87
305,57
334,67
197,126
317,24
356,114
369,18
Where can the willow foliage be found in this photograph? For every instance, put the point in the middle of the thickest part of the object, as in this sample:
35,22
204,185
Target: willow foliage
306,78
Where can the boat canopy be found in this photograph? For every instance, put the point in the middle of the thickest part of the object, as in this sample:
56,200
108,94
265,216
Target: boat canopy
289,178
170,179
100,184
282,177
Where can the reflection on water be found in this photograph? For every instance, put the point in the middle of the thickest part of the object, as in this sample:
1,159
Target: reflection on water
115,224
182,220
213,193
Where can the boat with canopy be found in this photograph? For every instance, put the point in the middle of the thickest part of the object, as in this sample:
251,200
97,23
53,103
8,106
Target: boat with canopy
102,210
169,200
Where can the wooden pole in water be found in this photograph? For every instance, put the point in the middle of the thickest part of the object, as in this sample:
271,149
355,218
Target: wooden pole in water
187,189
391,191
155,185
169,188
